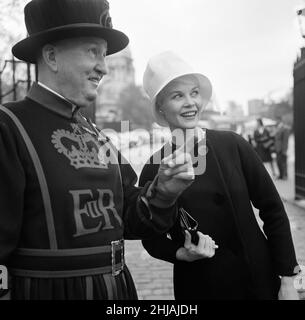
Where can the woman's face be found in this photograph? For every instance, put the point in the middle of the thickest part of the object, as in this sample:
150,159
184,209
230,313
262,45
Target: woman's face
180,102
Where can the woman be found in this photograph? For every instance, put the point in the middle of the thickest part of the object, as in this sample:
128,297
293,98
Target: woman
264,144
247,264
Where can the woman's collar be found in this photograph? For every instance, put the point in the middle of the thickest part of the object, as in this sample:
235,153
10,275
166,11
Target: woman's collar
199,132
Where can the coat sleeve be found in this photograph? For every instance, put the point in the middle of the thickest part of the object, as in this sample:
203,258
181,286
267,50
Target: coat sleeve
12,184
160,246
141,219
265,197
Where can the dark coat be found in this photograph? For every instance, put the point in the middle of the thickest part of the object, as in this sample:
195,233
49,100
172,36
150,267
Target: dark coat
264,145
244,179
281,139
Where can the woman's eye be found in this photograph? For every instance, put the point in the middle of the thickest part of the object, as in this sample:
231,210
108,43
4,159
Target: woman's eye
195,93
177,96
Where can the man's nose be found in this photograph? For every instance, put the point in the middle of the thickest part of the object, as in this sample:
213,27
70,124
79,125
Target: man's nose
101,66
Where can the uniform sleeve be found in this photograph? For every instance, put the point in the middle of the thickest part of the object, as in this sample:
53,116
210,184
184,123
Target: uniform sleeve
12,184
141,219
265,197
160,246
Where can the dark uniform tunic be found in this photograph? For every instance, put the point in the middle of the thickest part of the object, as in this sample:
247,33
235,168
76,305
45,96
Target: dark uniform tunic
66,204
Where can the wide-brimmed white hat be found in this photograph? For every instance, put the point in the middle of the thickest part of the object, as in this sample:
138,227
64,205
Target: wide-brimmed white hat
161,70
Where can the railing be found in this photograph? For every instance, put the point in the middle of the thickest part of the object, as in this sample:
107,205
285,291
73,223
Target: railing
28,78
15,83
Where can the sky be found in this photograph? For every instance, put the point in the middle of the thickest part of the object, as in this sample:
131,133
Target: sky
246,47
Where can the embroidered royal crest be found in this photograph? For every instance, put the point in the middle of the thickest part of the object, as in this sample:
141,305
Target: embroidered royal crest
81,148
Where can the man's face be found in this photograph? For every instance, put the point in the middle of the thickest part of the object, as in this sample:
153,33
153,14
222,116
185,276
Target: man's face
81,66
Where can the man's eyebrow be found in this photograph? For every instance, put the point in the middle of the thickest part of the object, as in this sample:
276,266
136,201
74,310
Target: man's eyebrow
95,43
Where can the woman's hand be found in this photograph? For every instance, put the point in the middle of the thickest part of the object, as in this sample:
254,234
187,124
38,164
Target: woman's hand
190,252
287,289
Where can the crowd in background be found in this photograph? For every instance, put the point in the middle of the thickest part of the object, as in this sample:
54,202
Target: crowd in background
271,144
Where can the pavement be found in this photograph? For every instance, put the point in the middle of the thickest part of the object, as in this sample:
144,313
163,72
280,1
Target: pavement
296,213
153,278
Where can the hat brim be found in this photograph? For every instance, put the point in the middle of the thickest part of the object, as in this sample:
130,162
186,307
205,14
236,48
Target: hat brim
28,49
205,89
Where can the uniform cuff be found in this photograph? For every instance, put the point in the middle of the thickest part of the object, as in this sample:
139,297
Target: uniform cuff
158,198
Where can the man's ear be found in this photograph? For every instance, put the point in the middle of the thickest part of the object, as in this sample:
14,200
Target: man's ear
49,56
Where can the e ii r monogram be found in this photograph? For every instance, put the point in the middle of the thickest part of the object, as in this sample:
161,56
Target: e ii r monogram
103,207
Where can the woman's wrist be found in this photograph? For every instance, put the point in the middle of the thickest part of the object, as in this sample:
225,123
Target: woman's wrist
287,280
181,253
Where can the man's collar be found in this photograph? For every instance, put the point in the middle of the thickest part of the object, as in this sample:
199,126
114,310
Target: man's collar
52,100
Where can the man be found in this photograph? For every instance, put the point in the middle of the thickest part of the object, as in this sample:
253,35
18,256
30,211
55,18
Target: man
281,146
66,201
264,144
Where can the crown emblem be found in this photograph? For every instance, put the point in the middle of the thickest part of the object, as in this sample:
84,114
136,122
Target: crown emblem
105,20
82,149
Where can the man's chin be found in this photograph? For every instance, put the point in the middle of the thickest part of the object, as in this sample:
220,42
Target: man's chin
88,100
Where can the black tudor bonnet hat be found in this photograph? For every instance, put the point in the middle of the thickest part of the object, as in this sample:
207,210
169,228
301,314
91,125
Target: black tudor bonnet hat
53,20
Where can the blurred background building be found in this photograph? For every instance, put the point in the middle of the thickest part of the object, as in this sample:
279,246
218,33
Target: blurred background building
256,107
121,74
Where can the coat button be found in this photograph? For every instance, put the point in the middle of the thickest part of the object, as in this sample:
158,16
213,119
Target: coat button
219,198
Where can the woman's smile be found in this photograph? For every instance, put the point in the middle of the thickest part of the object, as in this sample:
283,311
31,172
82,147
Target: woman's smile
189,115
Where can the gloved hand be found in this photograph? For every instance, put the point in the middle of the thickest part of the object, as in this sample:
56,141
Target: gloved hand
191,252
175,174
287,290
